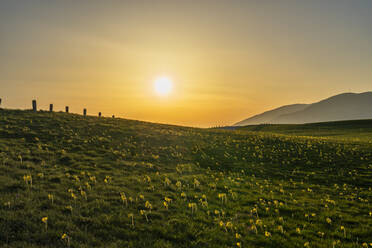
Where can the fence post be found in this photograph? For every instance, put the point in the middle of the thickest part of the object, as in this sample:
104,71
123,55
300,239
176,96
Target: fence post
51,107
66,109
0,101
85,112
34,108
99,114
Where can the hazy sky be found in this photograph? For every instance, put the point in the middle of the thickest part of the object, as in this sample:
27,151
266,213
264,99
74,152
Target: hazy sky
228,59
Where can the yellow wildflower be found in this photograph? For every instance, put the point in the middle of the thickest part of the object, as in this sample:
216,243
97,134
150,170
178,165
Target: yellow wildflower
229,224
73,196
148,205
44,219
329,221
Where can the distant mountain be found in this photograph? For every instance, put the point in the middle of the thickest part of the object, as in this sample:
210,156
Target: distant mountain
347,106
271,115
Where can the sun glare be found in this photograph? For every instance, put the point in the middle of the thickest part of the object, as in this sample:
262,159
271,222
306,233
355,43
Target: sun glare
163,86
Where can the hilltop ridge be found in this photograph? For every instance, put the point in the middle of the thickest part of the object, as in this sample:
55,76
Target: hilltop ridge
345,106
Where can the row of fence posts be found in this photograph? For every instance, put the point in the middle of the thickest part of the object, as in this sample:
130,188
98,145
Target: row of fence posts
34,108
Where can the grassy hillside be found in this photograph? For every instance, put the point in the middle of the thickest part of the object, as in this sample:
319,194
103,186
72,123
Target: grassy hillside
73,181
356,130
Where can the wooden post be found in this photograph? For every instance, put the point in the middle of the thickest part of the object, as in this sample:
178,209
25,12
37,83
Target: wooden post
85,112
113,116
51,107
66,109
99,114
0,101
34,107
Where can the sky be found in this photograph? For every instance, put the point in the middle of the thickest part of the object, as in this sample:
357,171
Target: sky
227,59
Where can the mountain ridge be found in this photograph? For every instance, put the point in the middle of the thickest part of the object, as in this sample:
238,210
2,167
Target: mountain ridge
272,114
344,106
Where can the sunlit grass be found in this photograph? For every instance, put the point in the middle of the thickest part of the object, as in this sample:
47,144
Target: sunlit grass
70,181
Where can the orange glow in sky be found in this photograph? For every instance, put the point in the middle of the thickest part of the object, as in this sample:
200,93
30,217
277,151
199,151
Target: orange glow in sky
195,63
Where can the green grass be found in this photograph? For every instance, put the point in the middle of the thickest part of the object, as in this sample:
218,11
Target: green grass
240,182
357,130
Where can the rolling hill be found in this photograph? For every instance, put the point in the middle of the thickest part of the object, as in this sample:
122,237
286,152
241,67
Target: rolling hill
347,106
68,180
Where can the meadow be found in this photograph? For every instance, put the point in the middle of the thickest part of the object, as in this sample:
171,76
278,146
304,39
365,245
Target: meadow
72,181
355,130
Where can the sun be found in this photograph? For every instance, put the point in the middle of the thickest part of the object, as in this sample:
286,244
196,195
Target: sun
163,86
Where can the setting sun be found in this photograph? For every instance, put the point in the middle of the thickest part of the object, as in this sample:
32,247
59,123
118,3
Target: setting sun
163,86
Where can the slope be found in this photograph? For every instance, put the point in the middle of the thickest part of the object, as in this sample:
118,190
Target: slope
73,181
